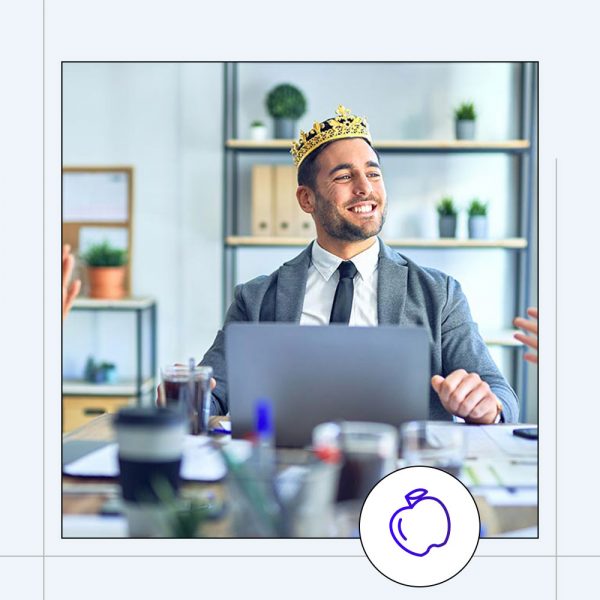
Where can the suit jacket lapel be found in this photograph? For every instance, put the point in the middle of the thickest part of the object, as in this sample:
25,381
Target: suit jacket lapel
391,286
291,286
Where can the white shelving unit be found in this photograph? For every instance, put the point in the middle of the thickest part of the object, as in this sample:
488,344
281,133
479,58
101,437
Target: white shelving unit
523,149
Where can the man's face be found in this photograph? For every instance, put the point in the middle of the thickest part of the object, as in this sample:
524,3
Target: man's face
350,198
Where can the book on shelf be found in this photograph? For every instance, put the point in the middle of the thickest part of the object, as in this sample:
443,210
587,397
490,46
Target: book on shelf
286,206
275,209
262,201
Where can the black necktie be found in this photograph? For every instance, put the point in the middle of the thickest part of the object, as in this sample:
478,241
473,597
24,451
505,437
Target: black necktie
342,301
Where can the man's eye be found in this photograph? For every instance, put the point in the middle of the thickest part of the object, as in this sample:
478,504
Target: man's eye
374,174
342,177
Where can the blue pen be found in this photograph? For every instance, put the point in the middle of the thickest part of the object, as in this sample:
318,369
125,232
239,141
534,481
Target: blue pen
265,437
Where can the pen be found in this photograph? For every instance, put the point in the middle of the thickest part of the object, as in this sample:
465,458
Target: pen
265,439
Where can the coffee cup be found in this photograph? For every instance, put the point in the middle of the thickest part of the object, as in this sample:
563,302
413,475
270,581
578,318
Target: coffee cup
150,442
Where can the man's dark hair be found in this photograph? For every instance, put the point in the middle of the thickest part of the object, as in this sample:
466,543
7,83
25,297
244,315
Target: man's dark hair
307,173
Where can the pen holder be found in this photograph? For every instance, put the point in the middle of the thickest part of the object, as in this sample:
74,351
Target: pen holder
252,507
311,512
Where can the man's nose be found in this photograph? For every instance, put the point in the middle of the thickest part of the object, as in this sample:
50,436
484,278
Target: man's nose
362,186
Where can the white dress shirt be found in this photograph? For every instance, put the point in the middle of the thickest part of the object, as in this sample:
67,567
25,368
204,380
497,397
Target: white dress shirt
322,281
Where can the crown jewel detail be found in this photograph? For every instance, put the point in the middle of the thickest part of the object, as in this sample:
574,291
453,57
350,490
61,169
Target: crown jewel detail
344,125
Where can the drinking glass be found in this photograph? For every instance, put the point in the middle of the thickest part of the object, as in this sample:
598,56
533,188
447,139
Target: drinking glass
188,392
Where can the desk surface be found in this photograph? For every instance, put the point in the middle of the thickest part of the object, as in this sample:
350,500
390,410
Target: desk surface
494,456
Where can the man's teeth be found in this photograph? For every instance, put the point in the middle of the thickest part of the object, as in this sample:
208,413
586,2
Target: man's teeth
362,209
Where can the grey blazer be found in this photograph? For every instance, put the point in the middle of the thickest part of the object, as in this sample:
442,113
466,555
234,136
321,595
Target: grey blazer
407,294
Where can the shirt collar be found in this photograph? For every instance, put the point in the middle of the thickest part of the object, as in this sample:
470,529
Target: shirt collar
327,263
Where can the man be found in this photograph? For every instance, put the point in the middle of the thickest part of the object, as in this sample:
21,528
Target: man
349,275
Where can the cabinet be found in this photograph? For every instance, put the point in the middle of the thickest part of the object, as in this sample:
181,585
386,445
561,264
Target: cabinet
522,152
83,400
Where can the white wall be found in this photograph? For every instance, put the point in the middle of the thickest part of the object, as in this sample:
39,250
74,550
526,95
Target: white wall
166,121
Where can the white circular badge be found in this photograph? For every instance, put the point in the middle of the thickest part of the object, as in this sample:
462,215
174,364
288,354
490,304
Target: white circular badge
419,526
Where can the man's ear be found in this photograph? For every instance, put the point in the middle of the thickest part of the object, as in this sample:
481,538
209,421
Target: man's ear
306,198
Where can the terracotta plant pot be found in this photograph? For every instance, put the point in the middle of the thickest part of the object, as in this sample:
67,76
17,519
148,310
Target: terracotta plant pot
107,283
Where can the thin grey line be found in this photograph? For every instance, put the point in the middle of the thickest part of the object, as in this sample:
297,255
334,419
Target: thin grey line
21,556
282,556
44,298
206,556
556,377
271,556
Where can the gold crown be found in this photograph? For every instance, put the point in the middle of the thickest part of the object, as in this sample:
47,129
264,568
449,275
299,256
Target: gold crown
345,125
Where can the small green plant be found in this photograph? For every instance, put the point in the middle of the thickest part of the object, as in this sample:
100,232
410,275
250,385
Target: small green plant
186,517
465,112
257,123
286,101
446,207
105,255
477,208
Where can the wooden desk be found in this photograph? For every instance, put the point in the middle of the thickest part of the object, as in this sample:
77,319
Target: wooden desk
490,443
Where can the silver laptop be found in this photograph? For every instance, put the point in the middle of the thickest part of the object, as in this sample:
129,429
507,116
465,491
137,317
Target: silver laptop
315,374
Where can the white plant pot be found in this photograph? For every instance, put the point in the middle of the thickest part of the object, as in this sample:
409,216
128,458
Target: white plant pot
465,130
258,133
478,227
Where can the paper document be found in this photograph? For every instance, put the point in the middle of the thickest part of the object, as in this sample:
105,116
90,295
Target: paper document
502,473
201,462
509,443
92,526
505,497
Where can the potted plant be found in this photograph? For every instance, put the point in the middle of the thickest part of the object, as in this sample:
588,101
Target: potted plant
106,271
258,131
465,116
104,372
286,104
447,217
478,221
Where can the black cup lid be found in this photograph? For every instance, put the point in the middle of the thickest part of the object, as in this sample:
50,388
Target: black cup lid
145,417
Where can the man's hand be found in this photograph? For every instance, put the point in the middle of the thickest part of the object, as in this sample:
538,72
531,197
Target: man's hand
528,340
466,395
69,292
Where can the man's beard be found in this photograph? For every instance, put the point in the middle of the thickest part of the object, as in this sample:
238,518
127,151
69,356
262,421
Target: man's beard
336,226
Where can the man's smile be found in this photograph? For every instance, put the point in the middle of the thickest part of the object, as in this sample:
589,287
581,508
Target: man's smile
363,208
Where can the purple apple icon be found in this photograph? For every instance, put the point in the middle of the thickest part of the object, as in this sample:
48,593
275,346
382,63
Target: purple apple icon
421,525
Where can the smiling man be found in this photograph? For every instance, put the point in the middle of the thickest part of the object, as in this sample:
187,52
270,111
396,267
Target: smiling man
348,275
